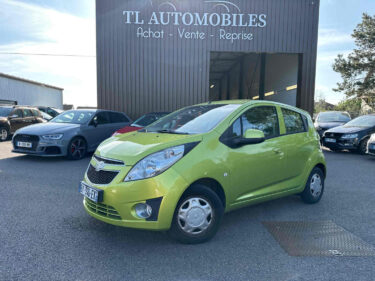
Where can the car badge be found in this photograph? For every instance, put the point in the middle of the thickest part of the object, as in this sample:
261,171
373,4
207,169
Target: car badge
99,166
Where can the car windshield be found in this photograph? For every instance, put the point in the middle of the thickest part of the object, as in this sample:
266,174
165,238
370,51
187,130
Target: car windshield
73,117
147,119
363,121
5,111
193,120
57,110
326,117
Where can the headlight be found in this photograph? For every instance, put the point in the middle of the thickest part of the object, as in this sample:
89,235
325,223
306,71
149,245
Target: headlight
349,136
158,162
53,137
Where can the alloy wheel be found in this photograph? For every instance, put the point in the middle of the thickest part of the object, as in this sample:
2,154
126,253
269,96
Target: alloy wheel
195,215
78,149
4,134
316,185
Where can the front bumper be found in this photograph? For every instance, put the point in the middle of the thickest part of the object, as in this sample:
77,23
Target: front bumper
341,144
45,149
120,198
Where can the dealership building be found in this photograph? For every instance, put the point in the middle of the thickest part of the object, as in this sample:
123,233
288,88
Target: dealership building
157,55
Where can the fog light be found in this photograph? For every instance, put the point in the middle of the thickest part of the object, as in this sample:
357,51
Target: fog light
143,211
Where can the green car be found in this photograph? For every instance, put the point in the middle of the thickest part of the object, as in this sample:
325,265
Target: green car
183,172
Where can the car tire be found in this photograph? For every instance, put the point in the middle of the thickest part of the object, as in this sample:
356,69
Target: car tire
314,187
362,148
197,216
4,134
77,149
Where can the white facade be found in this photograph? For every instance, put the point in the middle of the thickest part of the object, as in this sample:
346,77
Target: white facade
26,92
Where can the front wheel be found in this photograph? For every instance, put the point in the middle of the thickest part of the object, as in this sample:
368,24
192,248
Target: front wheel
197,216
4,134
77,149
314,188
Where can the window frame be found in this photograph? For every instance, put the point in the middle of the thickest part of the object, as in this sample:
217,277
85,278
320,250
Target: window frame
303,118
14,112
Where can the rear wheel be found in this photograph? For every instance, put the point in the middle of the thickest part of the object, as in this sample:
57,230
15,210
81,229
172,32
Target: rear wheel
4,134
77,149
197,216
314,188
362,148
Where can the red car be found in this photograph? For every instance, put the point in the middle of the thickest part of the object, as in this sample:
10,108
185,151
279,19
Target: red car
141,122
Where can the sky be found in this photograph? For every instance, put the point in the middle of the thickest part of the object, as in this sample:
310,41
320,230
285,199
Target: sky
68,27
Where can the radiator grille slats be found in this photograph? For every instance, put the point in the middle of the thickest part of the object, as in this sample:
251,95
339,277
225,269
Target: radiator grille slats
102,210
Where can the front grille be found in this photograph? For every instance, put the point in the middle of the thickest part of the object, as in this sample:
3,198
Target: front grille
102,210
100,177
108,161
26,138
333,135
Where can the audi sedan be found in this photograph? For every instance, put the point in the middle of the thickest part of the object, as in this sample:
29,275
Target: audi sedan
71,134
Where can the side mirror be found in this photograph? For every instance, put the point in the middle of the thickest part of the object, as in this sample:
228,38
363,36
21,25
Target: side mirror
251,137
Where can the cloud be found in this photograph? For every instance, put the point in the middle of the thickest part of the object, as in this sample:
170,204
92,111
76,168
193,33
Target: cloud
329,37
51,32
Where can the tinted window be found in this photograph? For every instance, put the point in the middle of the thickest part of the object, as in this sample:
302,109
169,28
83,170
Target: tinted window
27,113
35,112
102,118
42,109
366,121
326,117
145,120
118,117
293,121
263,118
51,112
17,112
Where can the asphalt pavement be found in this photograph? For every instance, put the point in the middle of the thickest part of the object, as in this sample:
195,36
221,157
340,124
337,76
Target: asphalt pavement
45,233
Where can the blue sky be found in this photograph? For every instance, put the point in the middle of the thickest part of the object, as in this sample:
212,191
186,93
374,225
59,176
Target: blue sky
68,26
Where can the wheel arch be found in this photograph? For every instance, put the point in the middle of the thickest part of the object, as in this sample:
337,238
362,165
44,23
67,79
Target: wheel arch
322,167
211,183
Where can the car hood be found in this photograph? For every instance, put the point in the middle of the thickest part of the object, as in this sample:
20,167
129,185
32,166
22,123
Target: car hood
47,128
3,119
346,129
329,125
134,146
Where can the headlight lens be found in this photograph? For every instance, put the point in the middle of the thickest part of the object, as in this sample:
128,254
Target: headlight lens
156,163
53,137
349,136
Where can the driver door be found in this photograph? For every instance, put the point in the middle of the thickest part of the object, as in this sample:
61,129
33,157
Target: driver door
16,120
256,169
99,129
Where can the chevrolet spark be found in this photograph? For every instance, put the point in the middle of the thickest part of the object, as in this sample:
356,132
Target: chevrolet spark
185,171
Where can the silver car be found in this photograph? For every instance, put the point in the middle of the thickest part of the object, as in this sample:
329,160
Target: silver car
71,134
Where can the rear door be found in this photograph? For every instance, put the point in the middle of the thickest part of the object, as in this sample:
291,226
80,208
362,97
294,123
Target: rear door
298,144
28,117
103,130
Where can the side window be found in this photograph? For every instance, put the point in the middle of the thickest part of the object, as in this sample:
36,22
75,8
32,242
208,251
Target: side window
294,123
102,118
27,113
17,112
263,118
118,117
35,112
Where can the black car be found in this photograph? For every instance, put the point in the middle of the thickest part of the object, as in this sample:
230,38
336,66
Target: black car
13,118
354,135
50,110
330,119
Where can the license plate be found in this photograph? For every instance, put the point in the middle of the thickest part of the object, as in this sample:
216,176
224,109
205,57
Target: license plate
24,144
91,193
330,140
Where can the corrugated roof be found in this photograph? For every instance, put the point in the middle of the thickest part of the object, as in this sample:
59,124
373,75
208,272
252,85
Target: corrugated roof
29,81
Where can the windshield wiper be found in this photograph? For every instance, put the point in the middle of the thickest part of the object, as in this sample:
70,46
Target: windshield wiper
171,132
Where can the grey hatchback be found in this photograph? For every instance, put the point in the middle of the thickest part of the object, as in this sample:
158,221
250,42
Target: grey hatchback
71,134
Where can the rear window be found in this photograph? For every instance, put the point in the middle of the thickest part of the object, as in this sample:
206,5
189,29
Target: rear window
118,117
294,122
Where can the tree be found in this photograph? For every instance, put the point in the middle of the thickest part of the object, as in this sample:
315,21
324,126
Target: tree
358,69
353,106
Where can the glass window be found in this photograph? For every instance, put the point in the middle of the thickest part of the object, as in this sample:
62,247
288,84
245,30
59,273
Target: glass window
5,111
27,113
118,117
102,118
74,117
327,117
18,113
145,120
293,121
263,118
193,120
35,112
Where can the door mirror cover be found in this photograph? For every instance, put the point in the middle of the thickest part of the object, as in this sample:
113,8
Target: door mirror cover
254,134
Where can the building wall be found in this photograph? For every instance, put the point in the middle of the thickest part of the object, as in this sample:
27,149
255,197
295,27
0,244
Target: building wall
138,75
29,94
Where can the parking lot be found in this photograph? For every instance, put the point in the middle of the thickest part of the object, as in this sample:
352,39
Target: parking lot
45,233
